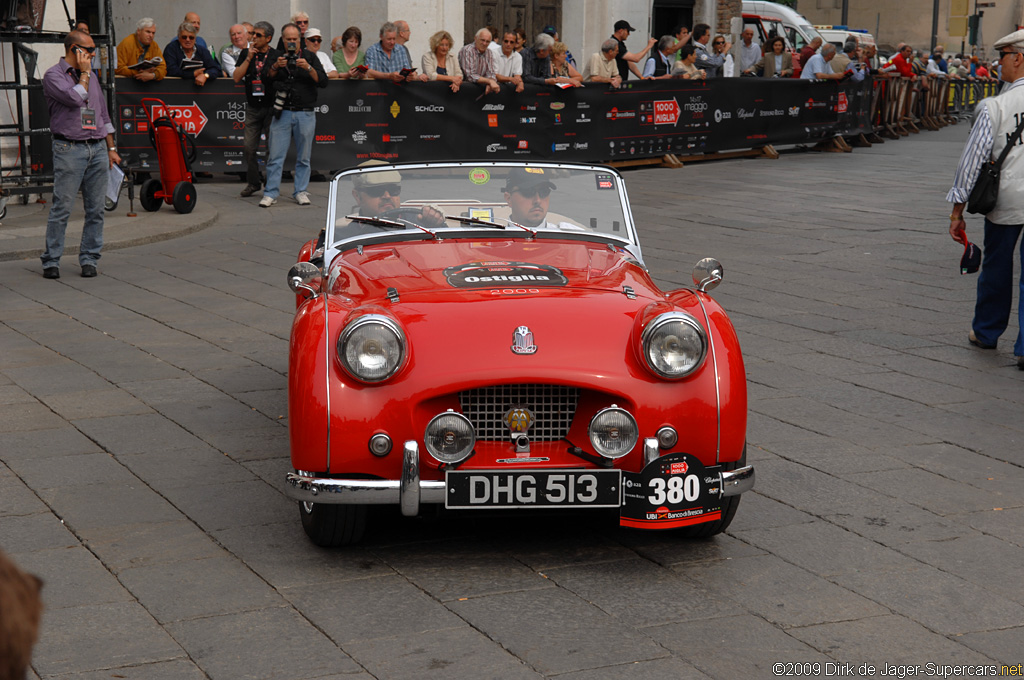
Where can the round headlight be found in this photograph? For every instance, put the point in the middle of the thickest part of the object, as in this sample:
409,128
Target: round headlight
613,432
450,437
372,348
674,345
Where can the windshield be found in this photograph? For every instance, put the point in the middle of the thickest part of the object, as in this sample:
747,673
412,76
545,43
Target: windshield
439,199
809,31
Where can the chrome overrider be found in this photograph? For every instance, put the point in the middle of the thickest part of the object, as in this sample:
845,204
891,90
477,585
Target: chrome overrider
410,491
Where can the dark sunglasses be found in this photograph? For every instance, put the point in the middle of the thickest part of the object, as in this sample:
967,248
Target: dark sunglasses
718,42
300,21
1003,54
90,50
259,35
542,191
186,37
316,40
380,189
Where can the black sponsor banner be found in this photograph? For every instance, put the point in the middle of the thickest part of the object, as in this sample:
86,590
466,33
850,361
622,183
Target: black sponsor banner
360,120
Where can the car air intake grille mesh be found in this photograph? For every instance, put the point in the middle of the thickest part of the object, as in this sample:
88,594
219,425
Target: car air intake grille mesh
552,406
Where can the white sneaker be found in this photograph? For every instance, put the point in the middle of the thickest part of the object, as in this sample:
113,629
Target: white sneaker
267,201
302,198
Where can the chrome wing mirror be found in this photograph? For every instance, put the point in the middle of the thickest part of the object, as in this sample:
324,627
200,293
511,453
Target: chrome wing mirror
305,277
707,274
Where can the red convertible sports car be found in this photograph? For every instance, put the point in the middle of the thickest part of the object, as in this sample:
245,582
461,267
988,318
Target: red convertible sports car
486,336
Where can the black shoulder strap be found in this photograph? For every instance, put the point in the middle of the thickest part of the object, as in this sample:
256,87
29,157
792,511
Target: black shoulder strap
1013,141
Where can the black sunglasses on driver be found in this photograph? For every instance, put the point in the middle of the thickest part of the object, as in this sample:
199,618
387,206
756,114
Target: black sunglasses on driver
378,190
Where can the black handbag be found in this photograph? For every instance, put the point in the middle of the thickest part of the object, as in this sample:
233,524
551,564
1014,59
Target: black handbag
985,193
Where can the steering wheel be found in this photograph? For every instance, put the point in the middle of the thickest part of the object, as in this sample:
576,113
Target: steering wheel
400,213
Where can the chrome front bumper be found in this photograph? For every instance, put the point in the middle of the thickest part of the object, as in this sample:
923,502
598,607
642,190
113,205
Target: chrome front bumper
410,491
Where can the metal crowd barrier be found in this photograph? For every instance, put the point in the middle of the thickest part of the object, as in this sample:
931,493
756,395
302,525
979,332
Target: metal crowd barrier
964,95
902,106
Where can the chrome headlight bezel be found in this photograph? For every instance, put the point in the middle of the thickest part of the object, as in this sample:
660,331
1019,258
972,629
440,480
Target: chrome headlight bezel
658,325
361,323
597,422
435,453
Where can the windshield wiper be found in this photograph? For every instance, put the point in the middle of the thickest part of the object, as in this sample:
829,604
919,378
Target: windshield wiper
474,220
533,232
375,221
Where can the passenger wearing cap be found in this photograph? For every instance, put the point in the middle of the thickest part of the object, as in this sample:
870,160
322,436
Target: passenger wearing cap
996,121
528,194
314,39
627,61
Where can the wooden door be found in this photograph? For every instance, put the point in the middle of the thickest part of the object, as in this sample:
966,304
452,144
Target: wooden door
530,15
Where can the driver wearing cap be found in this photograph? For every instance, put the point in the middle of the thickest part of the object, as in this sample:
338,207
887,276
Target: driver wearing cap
377,192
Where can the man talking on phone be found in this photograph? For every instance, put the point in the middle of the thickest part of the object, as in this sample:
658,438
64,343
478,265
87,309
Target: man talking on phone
295,75
84,150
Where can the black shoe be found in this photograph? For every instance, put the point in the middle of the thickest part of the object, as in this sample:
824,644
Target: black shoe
88,271
287,175
317,177
249,191
1020,363
51,272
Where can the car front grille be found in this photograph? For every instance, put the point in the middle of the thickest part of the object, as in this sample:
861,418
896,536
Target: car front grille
552,406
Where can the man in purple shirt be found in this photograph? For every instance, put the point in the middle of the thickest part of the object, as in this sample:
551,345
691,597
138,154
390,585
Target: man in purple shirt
83,152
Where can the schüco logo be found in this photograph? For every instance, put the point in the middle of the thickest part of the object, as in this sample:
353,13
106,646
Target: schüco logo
433,108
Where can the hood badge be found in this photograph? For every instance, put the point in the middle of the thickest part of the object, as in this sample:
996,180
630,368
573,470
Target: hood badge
522,341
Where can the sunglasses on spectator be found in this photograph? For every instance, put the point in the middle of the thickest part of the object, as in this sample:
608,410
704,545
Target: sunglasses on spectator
719,42
186,37
316,40
509,42
378,191
1003,54
90,50
543,192
259,35
300,21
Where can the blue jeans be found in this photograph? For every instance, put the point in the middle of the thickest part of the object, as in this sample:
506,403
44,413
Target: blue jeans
77,166
302,126
995,286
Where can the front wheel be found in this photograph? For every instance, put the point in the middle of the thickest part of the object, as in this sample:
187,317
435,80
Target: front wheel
331,526
184,197
729,507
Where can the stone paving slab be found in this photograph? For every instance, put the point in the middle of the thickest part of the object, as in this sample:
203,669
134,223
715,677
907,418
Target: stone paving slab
142,453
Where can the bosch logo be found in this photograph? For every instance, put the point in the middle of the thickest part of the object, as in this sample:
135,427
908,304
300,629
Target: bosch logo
325,138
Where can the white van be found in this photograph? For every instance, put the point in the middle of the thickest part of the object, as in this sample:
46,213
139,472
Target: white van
838,35
799,30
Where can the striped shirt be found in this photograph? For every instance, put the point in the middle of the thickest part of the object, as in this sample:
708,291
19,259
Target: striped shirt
977,151
476,65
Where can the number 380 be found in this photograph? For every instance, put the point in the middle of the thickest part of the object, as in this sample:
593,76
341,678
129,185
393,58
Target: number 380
675,490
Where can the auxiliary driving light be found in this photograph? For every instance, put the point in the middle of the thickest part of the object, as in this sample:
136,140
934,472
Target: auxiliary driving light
667,437
613,432
450,437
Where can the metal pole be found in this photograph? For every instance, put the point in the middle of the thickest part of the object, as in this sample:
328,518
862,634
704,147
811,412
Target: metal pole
935,25
845,21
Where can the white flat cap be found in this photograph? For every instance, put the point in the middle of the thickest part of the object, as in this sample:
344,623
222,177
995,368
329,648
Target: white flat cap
1014,40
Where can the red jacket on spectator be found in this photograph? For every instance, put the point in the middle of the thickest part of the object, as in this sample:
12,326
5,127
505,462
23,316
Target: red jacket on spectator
903,66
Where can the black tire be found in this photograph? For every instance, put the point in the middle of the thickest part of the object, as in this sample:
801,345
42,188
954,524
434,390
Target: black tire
147,196
184,197
729,507
332,526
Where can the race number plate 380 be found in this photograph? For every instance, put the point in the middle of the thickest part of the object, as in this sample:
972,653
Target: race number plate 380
675,490
533,489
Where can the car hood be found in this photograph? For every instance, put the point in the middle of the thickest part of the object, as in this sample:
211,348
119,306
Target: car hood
465,269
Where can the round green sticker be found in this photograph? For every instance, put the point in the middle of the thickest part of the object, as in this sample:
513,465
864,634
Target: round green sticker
479,176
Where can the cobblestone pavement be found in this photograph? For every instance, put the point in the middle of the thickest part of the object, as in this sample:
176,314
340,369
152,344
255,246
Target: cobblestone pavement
143,446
